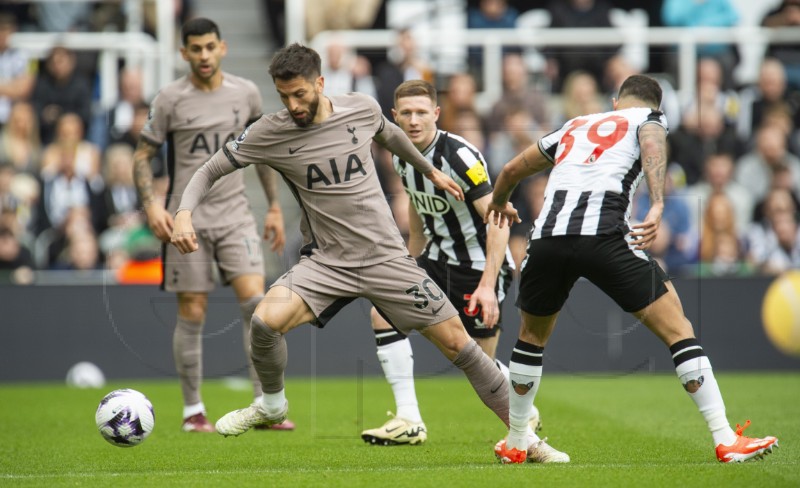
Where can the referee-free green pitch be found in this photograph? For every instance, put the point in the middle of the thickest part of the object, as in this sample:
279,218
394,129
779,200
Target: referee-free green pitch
628,430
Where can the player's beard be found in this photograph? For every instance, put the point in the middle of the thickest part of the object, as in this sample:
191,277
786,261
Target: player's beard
312,113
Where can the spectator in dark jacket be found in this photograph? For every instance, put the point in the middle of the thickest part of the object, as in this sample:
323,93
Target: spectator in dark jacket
59,89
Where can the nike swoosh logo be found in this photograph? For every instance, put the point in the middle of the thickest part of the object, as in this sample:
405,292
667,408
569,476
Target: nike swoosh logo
436,310
190,120
293,150
494,390
392,430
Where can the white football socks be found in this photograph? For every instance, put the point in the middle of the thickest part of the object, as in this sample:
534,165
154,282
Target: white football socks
189,410
699,382
397,361
524,379
273,403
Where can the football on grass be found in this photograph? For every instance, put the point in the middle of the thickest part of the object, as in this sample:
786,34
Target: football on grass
125,417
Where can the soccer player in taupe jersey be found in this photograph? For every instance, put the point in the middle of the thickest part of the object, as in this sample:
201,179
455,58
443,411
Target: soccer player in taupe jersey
583,231
321,147
195,115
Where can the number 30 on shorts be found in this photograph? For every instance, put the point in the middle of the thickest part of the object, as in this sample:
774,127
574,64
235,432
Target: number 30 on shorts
423,291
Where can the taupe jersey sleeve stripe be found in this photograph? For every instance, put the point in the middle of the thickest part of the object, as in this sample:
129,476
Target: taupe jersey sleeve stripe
232,159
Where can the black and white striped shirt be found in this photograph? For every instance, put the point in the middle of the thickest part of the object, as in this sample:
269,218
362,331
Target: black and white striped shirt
455,230
597,167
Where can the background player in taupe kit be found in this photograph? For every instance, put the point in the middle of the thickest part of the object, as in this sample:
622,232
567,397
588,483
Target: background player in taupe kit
321,147
195,115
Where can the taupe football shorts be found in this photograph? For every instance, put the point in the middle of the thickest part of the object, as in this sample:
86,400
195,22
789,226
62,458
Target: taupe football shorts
399,289
234,251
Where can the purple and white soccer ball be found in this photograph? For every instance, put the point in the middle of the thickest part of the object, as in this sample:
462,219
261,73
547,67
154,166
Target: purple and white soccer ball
125,417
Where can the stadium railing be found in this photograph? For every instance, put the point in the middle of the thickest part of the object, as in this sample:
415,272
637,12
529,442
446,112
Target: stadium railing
492,42
156,57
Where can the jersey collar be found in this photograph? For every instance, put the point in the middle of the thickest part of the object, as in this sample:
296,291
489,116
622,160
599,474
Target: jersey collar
432,144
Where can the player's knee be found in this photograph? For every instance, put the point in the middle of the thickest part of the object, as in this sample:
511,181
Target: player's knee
193,309
450,336
488,345
261,333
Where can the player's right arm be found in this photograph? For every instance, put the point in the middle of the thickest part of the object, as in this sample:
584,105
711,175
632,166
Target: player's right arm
220,164
159,220
530,161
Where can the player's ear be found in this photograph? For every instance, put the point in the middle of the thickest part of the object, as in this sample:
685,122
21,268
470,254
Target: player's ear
184,54
319,84
223,47
394,114
614,103
436,112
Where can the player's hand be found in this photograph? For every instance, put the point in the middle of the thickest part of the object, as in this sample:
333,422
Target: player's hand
444,182
183,236
501,215
487,299
643,235
274,230
160,221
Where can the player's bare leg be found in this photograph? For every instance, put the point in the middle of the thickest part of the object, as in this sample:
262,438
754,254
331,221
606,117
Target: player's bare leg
187,350
249,291
488,344
280,311
666,319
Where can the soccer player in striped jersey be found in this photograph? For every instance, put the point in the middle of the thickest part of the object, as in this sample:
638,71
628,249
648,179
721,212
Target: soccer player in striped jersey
195,115
584,231
467,258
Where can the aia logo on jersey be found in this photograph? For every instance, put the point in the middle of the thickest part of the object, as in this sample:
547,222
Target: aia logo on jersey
318,174
427,203
204,144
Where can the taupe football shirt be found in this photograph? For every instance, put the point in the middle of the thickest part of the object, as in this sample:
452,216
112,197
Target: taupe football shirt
346,220
195,125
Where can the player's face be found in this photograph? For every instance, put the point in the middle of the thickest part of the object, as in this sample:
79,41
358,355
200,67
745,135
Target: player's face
417,117
301,98
204,54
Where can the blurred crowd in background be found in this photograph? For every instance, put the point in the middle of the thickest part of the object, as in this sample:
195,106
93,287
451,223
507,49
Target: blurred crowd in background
68,202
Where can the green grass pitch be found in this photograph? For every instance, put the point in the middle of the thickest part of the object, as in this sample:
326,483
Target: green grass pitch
638,430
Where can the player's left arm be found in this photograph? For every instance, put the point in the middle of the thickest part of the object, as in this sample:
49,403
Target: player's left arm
653,144
274,229
397,142
496,245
